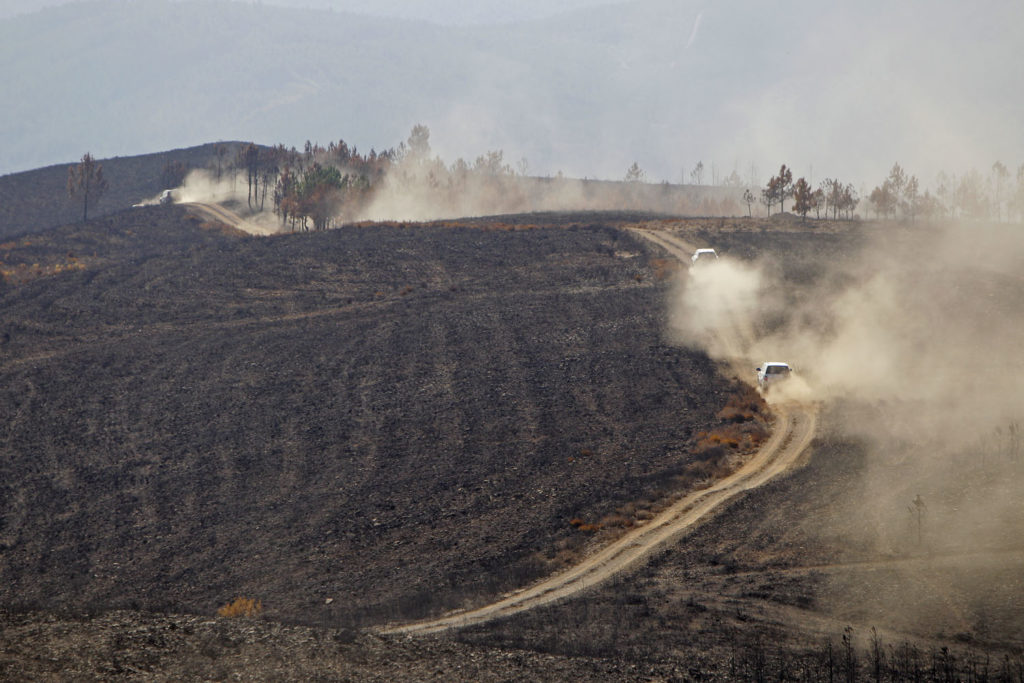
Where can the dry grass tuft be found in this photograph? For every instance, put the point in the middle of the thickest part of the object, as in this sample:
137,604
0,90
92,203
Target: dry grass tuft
744,405
744,426
23,272
241,607
584,526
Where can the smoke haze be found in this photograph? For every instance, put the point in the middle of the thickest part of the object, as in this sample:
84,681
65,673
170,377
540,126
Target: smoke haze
203,187
844,92
405,196
913,343
714,304
929,316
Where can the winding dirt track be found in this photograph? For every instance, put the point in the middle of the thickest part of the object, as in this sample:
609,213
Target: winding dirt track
793,430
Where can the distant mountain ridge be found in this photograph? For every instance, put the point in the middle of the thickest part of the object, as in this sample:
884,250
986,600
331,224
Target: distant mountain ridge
665,83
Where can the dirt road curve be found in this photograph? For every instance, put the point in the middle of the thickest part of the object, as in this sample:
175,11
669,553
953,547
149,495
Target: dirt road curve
794,428
793,432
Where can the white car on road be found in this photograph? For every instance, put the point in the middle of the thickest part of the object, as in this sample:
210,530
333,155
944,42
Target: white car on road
166,197
771,373
703,256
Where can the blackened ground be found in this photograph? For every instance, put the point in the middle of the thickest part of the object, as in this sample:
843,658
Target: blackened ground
789,582
366,424
785,583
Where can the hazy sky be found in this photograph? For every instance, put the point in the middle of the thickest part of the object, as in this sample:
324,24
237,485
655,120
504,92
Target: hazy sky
586,87
444,12
453,12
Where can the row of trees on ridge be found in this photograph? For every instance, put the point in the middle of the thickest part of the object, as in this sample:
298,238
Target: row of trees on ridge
831,196
318,186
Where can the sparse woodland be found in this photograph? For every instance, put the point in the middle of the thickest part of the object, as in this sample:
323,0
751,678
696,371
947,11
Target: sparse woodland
319,187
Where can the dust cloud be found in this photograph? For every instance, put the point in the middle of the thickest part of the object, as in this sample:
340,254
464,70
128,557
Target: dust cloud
427,190
914,345
926,318
414,192
204,187
714,304
917,356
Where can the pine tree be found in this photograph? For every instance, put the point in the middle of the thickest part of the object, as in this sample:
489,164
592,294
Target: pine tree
86,180
803,197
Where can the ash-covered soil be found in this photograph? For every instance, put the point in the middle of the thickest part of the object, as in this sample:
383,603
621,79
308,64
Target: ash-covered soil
143,646
404,419
777,584
366,424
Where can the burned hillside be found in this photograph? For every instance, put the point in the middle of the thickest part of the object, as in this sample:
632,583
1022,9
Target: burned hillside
367,423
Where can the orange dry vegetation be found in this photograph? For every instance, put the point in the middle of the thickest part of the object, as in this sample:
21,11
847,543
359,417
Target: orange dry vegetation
746,404
241,607
583,526
744,428
24,272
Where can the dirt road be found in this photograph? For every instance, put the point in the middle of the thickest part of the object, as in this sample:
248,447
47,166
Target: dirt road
793,430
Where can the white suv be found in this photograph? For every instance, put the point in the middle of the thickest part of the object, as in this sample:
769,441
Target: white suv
702,255
772,373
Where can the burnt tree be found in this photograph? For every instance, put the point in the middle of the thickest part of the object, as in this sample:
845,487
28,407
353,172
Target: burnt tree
86,181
